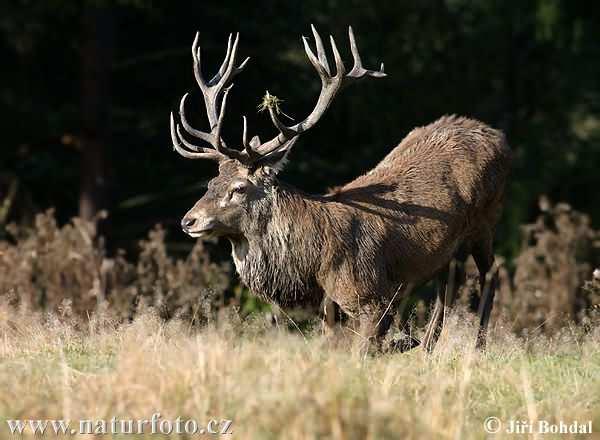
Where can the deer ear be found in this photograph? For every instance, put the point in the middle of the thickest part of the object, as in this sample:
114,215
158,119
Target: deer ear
273,163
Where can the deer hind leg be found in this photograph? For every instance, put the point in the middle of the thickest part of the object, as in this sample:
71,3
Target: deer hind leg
456,278
488,280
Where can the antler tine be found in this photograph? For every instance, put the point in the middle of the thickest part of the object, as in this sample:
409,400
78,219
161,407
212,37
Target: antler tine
224,75
251,155
339,64
315,61
225,62
220,152
196,53
201,153
206,137
283,129
358,71
218,142
189,145
320,50
245,133
354,49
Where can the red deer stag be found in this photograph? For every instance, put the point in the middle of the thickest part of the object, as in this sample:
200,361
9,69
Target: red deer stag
434,198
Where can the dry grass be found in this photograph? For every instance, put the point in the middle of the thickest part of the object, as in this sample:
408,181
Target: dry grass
66,269
69,351
558,253
277,384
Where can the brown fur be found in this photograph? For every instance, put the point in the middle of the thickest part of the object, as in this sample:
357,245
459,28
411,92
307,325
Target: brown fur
434,197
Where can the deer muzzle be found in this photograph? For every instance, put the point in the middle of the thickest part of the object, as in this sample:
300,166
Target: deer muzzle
198,226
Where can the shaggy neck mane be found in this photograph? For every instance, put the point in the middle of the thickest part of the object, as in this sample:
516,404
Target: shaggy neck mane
278,257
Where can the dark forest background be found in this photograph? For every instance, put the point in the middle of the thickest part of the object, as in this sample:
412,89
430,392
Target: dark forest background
87,88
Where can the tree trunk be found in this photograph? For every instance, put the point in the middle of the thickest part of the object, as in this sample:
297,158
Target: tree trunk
96,59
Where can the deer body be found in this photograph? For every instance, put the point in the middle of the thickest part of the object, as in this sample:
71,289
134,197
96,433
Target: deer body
435,197
400,223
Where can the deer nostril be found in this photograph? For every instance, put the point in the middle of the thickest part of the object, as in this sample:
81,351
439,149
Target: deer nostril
187,222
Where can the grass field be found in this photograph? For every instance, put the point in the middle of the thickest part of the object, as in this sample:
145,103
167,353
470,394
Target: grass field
273,383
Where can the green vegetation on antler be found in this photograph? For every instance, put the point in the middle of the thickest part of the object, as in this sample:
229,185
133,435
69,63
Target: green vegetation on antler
270,102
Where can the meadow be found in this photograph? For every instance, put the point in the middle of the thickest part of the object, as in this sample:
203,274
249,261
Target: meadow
275,383
89,335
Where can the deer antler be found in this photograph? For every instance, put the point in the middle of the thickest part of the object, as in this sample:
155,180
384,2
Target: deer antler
330,85
215,98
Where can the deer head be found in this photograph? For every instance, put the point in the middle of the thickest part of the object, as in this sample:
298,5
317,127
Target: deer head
247,176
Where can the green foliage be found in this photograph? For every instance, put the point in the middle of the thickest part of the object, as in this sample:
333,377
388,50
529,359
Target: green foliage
270,102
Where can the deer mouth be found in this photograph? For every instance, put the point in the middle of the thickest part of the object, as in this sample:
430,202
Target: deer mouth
201,233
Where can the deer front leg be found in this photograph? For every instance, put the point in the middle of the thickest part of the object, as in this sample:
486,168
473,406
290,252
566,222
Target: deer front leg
446,294
329,312
435,324
374,322
329,320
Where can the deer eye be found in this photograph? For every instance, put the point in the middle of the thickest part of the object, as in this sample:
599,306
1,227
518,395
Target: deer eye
239,189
